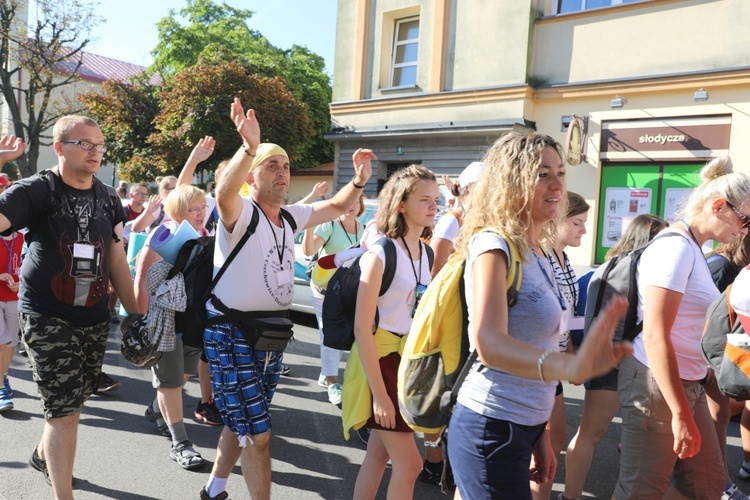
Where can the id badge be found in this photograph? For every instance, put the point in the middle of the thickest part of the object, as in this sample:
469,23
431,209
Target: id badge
418,293
564,320
283,277
83,251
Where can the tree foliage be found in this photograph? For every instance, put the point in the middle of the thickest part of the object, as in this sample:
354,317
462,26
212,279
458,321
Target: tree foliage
44,56
217,32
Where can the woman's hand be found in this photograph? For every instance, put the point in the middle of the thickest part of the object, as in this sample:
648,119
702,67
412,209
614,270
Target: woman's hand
687,437
384,412
543,460
597,354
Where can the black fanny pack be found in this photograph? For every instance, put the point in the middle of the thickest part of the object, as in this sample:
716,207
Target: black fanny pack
263,330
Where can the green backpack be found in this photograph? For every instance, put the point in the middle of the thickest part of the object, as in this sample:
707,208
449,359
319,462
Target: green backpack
436,356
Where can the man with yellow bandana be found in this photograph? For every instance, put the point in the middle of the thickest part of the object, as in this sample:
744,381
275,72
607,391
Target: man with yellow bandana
259,279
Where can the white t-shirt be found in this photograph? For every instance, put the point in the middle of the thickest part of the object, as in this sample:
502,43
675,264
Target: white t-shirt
396,304
446,228
677,263
256,280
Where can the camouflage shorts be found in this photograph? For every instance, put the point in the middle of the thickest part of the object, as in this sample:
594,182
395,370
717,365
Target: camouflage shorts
66,361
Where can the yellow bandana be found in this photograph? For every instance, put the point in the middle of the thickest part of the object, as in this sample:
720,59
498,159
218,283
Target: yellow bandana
265,151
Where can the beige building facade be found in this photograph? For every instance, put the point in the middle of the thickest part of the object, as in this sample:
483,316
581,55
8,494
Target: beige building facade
659,86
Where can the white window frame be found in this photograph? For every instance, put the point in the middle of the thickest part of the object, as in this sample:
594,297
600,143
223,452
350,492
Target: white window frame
394,47
556,9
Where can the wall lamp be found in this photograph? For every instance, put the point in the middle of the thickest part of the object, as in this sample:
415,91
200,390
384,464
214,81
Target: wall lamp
700,95
617,102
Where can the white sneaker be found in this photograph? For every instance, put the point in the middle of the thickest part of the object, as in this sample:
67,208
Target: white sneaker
334,394
322,381
733,493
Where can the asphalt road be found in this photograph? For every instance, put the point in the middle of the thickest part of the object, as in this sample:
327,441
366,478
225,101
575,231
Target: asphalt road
120,456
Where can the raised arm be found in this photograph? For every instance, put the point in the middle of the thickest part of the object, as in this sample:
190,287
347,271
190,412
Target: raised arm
330,209
311,242
320,189
201,152
148,216
228,198
11,147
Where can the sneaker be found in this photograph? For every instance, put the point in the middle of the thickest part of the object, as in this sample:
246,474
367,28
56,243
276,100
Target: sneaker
40,464
334,394
221,496
208,413
187,458
323,381
161,429
6,404
733,493
285,370
106,384
743,473
114,318
6,383
363,433
431,474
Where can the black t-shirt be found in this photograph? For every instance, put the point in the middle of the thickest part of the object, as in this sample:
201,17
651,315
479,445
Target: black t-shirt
722,270
66,271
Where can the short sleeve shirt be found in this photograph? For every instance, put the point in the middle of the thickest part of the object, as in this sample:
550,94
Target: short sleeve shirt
66,271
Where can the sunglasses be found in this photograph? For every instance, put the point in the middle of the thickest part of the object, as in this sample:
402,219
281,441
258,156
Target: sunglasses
743,218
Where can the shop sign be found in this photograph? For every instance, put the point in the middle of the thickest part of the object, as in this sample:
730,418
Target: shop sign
666,139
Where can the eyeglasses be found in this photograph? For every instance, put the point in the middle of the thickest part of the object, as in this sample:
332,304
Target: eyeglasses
141,194
198,209
743,218
88,146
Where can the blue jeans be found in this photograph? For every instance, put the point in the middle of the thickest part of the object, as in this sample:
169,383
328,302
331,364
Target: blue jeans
490,457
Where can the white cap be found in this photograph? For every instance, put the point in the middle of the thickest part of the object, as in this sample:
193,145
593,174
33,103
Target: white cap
739,297
470,174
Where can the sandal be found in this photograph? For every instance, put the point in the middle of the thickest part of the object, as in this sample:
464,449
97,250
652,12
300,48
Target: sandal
184,454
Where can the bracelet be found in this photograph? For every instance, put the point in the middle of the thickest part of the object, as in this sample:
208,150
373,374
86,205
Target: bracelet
357,185
541,361
247,152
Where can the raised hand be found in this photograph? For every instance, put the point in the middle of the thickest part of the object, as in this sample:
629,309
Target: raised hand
362,159
11,147
154,204
321,189
203,150
246,123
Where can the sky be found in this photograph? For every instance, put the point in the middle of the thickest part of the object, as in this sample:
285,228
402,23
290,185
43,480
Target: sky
129,30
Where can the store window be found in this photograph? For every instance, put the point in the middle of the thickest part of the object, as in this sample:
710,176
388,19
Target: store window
404,53
567,6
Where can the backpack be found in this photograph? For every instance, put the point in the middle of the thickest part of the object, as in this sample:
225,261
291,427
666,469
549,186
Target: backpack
437,346
340,302
195,260
730,363
619,277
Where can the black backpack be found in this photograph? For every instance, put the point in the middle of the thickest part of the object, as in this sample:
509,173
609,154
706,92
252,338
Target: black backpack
618,278
340,302
195,261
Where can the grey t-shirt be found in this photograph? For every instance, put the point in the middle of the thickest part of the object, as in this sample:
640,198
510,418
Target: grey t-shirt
535,319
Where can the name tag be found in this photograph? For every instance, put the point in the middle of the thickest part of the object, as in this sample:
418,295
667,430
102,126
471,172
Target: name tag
577,322
82,251
564,320
283,277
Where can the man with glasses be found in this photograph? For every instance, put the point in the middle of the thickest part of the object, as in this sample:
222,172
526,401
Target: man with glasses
75,249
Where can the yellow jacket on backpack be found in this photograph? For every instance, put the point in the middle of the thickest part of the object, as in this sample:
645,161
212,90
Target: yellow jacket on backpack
433,355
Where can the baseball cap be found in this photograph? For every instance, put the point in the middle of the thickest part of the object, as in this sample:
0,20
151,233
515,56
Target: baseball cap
739,297
470,174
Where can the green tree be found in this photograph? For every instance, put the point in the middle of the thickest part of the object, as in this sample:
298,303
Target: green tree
36,61
204,31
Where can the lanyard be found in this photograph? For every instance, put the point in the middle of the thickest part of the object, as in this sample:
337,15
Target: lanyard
353,241
279,251
10,252
553,284
83,234
411,261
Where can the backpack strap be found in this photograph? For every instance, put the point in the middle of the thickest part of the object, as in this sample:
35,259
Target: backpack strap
249,232
289,219
389,269
732,314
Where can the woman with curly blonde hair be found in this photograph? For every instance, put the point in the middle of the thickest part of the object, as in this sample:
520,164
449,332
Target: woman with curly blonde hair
506,399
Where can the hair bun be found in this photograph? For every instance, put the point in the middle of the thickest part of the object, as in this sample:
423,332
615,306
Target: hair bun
721,165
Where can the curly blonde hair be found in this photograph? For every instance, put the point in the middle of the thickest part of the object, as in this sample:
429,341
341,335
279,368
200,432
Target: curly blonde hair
503,195
389,220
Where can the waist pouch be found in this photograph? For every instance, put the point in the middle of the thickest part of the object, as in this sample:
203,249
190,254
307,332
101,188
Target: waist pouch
263,330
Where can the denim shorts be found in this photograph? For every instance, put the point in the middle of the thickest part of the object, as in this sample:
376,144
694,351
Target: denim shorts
243,379
490,457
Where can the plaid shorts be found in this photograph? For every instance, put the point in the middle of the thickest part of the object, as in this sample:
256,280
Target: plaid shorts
65,359
243,380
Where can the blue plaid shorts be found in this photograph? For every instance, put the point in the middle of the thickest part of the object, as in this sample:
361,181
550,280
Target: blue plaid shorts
243,380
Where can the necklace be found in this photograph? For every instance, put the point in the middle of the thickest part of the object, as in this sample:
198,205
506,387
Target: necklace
419,288
279,251
351,241
567,276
